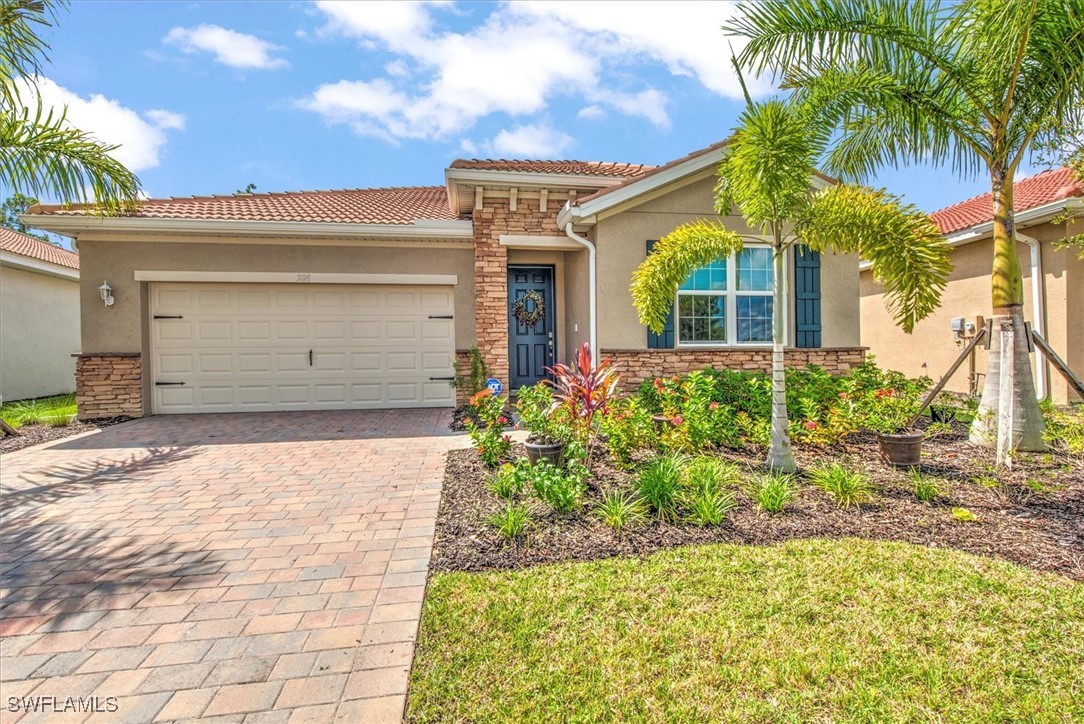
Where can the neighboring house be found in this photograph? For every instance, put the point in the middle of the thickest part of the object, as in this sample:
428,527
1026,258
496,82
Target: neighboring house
39,317
366,298
1038,201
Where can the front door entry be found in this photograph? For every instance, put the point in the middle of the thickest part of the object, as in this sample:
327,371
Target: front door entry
532,342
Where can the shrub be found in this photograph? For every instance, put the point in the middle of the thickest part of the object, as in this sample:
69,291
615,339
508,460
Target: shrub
475,380
512,520
547,423
509,481
937,429
558,489
708,473
847,487
628,427
489,438
621,510
58,411
926,487
709,507
772,492
585,389
659,484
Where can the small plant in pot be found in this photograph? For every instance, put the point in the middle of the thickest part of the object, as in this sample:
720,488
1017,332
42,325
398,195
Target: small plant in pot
547,425
668,396
891,415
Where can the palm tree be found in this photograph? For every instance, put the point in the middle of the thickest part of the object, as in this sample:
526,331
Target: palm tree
766,174
975,83
41,154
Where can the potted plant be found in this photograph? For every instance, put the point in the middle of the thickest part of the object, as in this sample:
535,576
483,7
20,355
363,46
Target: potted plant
547,426
668,394
891,416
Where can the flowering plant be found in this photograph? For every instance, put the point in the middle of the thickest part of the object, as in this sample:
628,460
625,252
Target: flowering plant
584,389
489,437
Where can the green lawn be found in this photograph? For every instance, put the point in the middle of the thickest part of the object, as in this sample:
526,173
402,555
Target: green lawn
58,411
847,630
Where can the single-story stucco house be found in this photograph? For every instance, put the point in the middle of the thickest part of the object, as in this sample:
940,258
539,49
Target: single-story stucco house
1039,201
368,297
39,317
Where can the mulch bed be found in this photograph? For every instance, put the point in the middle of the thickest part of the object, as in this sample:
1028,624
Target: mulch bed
1040,526
37,434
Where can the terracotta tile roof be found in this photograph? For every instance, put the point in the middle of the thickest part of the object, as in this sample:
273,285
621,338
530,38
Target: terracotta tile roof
578,168
360,206
1043,188
23,245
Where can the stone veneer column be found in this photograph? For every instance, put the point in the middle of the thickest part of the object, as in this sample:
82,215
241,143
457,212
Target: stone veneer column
109,385
491,270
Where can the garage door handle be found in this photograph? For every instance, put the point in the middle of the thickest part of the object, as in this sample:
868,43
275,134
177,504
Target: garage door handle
168,316
310,358
448,379
441,316
167,384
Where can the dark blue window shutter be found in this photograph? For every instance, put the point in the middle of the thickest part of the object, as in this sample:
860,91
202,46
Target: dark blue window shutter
807,296
666,339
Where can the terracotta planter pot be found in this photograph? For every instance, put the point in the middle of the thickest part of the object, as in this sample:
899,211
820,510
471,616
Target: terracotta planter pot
902,449
553,453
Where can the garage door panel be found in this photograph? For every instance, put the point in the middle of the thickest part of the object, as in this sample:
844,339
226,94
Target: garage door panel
247,347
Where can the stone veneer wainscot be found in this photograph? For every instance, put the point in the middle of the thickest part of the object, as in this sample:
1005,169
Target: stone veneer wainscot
109,385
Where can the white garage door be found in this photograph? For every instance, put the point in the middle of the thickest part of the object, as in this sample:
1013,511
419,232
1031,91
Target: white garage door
249,347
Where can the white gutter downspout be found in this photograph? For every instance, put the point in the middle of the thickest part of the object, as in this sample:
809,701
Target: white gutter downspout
592,284
1038,307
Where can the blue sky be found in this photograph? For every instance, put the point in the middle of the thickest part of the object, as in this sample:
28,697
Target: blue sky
208,97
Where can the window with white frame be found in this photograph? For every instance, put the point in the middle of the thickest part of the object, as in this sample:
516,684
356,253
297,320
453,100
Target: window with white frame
728,302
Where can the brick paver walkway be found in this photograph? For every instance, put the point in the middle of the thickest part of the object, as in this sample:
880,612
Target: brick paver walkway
259,567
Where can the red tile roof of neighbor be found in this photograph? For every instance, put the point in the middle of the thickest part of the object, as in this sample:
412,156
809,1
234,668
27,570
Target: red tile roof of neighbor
1028,193
28,246
577,168
359,206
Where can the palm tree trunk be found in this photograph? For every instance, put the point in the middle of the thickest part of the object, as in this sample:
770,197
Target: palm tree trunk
780,456
1008,306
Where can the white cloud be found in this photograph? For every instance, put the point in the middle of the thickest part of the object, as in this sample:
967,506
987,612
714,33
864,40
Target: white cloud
440,82
237,50
530,141
140,137
686,35
591,113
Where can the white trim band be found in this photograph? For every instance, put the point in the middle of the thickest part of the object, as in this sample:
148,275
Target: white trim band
562,243
18,261
142,275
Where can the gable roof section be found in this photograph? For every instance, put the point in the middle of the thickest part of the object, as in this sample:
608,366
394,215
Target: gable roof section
392,206
587,207
1029,193
16,243
572,168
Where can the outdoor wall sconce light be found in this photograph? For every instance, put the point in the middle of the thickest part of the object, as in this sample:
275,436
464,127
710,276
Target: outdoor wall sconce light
107,294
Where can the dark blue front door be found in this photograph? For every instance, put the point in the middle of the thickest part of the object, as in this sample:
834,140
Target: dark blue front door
530,346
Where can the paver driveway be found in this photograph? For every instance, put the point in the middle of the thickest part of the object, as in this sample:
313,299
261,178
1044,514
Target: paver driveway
257,567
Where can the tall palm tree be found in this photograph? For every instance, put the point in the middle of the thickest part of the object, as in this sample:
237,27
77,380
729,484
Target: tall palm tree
974,83
766,175
41,154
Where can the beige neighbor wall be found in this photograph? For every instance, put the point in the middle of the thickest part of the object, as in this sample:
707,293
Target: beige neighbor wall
39,333
621,240
931,350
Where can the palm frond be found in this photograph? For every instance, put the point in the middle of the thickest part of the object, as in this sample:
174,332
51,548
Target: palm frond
42,155
22,49
655,282
907,253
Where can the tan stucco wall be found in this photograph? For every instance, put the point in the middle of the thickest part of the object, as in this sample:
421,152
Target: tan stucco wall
118,328
39,333
621,241
930,350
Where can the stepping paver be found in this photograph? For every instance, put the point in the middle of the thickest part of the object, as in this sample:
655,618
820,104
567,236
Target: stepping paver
265,568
